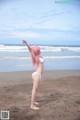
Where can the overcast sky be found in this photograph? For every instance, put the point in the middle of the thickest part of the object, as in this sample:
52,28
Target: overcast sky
40,22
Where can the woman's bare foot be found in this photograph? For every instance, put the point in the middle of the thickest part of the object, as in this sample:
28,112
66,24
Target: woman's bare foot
34,107
36,103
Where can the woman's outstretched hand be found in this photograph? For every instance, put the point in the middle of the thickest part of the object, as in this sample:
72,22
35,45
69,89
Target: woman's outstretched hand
24,41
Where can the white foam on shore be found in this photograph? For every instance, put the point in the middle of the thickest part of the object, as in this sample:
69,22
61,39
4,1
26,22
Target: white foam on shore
45,57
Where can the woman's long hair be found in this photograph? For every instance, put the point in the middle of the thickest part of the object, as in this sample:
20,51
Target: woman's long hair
35,54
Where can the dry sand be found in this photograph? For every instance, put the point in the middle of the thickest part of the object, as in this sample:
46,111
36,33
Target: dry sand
58,95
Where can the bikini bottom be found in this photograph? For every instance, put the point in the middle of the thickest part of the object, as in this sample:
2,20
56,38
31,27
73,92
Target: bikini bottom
35,73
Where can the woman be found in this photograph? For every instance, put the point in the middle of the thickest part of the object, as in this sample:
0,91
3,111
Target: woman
38,61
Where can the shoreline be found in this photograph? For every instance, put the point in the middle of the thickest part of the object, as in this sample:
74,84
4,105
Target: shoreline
21,77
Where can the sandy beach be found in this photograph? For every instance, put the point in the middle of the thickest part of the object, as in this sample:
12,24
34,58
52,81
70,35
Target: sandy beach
58,95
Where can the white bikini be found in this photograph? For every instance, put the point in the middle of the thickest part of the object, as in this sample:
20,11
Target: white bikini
41,59
39,74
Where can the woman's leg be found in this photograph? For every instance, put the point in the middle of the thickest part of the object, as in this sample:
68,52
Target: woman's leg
36,81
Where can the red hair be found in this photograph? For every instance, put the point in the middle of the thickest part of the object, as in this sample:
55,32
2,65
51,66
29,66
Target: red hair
35,54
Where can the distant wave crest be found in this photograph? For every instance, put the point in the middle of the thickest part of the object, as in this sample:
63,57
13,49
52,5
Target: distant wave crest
4,48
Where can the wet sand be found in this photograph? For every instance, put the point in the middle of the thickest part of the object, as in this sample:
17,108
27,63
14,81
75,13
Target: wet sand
58,95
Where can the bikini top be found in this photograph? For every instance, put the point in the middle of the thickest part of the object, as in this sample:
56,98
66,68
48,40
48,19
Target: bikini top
41,59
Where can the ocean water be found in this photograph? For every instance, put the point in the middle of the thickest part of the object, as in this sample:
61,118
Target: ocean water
17,58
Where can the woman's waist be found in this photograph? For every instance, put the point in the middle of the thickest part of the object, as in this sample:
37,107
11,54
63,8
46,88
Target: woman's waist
39,71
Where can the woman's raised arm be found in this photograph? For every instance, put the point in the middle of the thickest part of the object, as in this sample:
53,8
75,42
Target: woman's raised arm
25,42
